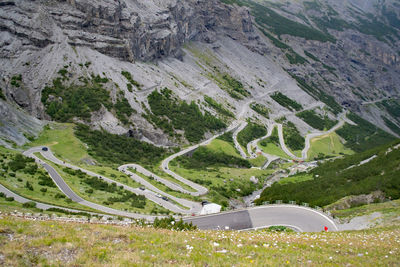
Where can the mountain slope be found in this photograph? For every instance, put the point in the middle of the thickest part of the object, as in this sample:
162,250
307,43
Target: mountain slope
98,63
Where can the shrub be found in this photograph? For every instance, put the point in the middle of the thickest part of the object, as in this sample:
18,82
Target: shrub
170,223
29,204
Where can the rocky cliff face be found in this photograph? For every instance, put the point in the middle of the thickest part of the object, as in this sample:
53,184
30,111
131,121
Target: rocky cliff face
181,44
129,30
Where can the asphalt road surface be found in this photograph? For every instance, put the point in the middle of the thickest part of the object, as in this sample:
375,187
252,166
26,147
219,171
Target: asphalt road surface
298,218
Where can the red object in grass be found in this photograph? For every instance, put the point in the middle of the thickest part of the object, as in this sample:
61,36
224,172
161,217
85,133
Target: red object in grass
326,229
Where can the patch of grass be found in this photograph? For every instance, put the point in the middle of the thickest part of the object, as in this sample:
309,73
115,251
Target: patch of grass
389,208
297,178
258,162
286,102
224,183
316,121
219,145
327,145
204,157
270,145
62,141
48,242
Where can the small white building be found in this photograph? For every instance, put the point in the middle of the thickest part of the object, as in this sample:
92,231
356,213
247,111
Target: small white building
210,209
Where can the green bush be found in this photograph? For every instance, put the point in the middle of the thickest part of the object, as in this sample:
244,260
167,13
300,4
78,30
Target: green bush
29,204
171,223
123,110
19,162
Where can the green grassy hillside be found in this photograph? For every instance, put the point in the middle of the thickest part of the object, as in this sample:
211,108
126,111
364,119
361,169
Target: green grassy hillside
342,177
50,243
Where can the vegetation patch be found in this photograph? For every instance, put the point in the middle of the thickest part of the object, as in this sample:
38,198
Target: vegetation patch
204,157
118,149
271,145
392,126
286,102
2,96
171,224
318,94
343,177
16,80
119,245
251,132
65,102
218,107
316,121
392,106
120,195
292,136
22,175
171,114
364,135
260,109
131,81
327,146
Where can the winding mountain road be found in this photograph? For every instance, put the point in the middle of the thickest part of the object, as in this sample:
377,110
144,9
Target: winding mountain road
298,218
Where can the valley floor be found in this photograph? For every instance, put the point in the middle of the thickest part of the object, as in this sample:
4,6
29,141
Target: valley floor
27,243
